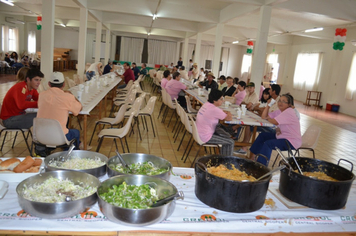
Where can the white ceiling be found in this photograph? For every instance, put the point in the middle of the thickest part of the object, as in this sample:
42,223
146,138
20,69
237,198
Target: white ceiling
178,19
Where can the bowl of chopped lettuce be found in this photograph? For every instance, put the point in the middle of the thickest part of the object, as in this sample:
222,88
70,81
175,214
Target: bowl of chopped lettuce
128,199
140,164
93,163
57,194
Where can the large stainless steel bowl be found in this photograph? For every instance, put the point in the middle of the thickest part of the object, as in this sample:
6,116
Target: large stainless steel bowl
60,209
98,172
138,217
131,158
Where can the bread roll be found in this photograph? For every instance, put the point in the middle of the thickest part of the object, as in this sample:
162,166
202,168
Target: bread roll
33,169
38,162
24,165
9,164
6,171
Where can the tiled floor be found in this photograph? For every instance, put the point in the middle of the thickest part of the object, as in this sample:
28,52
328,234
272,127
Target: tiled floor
337,139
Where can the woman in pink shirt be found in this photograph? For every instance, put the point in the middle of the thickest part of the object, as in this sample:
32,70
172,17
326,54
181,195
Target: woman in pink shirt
208,118
288,130
166,77
174,87
240,92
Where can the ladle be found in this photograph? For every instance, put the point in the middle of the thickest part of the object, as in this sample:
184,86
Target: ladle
70,150
160,202
272,171
295,160
122,161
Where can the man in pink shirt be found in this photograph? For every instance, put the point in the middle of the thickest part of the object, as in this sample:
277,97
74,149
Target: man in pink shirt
208,118
166,77
240,92
56,104
174,87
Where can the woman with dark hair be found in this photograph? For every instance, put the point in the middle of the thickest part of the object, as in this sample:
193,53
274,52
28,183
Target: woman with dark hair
174,88
288,129
166,77
208,118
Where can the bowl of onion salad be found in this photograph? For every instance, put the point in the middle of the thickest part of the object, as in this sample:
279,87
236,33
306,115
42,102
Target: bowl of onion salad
57,194
93,163
127,199
140,164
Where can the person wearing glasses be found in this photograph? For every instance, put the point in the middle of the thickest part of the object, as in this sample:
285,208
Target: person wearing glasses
209,129
288,130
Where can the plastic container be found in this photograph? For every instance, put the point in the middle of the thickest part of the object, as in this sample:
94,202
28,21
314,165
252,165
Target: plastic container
328,106
335,107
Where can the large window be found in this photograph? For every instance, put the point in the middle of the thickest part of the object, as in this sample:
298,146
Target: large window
32,42
351,82
246,64
306,74
9,39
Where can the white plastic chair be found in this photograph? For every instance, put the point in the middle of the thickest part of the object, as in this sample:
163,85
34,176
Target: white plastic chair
135,109
128,100
119,117
127,88
170,105
148,111
70,83
116,133
310,139
190,109
6,130
49,133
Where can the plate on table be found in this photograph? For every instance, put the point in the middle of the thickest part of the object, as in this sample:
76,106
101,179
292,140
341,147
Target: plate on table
18,177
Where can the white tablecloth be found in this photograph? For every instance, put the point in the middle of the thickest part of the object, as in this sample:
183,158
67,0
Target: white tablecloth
191,215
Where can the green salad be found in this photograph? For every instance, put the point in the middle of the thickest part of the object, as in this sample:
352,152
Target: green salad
130,196
144,168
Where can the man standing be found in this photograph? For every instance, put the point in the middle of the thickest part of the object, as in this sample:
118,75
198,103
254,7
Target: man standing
135,70
180,62
21,96
128,75
56,104
210,83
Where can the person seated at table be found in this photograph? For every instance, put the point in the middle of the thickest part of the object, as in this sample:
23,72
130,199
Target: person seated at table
21,74
143,70
170,67
56,104
222,82
261,90
288,129
16,62
208,118
135,70
251,97
127,76
236,81
21,96
166,77
108,68
174,88
94,69
240,92
183,73
209,83
230,88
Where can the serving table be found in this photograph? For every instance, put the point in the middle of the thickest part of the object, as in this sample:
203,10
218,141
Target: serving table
191,217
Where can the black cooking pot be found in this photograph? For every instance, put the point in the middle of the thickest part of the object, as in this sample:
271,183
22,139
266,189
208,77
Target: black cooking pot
315,193
229,195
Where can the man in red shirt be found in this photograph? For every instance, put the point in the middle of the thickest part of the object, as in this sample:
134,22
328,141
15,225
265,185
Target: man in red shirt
21,96
128,75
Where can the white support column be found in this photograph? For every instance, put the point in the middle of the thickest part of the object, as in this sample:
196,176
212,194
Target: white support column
113,47
217,49
260,47
185,52
82,41
107,47
47,40
177,53
197,50
99,27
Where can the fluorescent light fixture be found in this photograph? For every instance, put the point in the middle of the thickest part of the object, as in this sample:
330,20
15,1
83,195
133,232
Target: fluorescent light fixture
235,42
7,2
313,30
148,33
154,16
63,25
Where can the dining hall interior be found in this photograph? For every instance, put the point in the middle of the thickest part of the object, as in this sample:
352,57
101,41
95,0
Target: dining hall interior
215,34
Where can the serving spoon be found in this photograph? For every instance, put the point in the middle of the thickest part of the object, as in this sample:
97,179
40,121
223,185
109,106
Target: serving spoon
122,161
70,150
160,202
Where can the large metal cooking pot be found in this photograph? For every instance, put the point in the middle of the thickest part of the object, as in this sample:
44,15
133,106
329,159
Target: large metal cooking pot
315,193
98,172
229,195
131,158
138,217
60,209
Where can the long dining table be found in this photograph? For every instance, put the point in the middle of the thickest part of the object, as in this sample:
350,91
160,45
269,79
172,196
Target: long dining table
97,92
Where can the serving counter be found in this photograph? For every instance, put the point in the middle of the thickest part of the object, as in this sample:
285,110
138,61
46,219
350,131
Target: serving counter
191,217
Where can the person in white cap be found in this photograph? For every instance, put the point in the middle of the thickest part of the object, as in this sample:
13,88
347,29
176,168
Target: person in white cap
56,104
